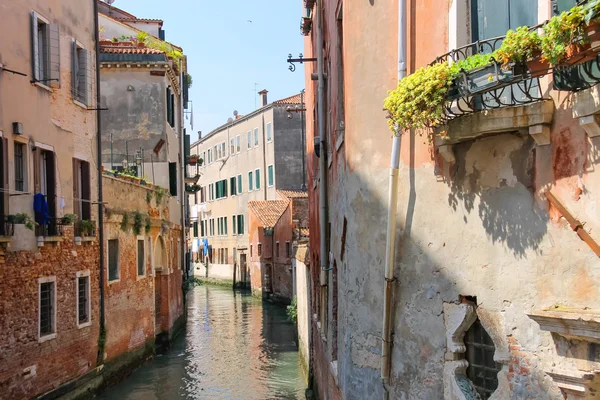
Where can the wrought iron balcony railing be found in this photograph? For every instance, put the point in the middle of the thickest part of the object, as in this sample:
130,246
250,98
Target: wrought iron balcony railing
488,87
578,77
53,227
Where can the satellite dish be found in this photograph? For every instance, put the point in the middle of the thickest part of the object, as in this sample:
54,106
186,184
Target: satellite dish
235,113
110,1
229,120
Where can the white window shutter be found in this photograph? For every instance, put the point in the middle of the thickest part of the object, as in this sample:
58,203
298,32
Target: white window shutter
35,59
54,52
74,72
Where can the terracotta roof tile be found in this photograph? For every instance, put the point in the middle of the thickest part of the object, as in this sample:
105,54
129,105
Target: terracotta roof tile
295,99
128,50
293,194
160,21
268,212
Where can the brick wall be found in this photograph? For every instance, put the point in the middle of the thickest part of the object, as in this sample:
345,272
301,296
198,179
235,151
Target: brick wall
28,367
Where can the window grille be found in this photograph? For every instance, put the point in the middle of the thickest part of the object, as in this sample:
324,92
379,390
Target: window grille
83,296
46,308
482,370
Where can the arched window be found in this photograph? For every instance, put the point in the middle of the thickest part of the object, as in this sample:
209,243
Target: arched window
482,369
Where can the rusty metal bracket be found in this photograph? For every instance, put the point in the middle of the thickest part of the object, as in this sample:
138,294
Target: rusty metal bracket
301,59
576,225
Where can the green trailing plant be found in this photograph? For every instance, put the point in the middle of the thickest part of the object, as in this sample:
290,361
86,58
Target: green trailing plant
563,36
148,225
292,311
142,36
125,223
159,194
519,46
22,219
148,196
189,80
68,219
138,223
87,227
591,11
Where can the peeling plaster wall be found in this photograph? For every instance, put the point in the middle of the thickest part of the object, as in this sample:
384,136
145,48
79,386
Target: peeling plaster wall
477,227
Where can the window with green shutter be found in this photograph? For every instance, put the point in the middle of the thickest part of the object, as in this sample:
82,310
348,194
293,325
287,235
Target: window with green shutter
257,173
240,225
234,224
271,175
202,229
250,181
195,229
173,179
232,186
239,184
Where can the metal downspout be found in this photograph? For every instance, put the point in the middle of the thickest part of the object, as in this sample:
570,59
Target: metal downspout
390,250
99,156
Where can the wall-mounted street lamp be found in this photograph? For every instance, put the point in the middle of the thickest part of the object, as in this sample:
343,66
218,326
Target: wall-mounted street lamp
300,60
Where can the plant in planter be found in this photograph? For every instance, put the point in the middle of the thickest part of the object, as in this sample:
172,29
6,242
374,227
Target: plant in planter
564,39
22,219
418,101
192,188
591,11
87,227
523,46
193,159
68,219
481,72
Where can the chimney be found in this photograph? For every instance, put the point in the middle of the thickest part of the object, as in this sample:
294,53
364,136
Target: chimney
199,135
263,97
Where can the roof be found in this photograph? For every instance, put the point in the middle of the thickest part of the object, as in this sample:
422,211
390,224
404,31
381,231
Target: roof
149,20
128,50
295,99
281,102
268,212
293,194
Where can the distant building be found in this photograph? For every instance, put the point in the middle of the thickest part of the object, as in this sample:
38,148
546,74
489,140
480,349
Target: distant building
275,227
246,159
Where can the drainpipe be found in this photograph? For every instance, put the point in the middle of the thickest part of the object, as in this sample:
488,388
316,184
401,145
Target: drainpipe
182,194
390,250
323,215
99,155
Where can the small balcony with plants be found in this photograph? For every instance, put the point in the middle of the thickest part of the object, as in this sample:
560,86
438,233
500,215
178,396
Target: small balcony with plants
191,174
84,230
192,188
492,86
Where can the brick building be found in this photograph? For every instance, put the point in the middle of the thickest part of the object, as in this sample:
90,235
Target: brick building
49,278
488,278
274,227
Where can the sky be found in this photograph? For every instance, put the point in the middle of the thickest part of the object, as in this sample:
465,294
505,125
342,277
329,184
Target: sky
227,54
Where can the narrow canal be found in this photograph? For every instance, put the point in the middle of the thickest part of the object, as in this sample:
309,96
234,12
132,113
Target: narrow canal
234,347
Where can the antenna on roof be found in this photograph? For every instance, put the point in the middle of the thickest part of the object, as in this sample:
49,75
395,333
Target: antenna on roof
235,113
229,120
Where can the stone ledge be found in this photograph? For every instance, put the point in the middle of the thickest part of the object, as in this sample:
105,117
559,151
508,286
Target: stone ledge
579,383
500,120
570,323
586,102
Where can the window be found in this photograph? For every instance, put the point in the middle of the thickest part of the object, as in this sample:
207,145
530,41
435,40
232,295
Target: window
47,311
249,139
81,190
211,192
269,132
288,252
558,6
482,370
260,249
255,137
239,184
212,227
20,164
141,261
232,186
250,181
491,19
221,189
250,250
276,249
209,156
170,100
271,175
173,179
232,147
257,175
218,226
204,161
113,259
238,143
234,224
79,73
202,230
195,229
45,59
83,300
225,232
240,224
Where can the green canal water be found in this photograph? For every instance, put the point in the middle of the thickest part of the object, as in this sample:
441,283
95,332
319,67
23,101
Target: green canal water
234,347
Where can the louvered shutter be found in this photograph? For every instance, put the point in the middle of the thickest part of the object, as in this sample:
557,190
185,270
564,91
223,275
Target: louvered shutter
74,70
54,54
35,58
173,179
51,180
86,192
76,193
84,65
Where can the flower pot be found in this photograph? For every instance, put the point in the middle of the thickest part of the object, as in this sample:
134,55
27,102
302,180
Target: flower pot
484,79
578,54
453,92
537,67
593,33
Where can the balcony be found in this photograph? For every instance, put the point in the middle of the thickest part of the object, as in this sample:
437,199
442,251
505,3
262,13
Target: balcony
191,174
7,228
192,188
53,228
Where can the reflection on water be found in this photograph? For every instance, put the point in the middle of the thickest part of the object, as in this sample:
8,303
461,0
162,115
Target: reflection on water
234,347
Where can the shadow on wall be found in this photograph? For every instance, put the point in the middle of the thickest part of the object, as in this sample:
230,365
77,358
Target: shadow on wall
496,176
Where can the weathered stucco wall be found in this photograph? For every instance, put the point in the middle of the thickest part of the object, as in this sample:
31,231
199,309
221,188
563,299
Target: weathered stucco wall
476,227
303,283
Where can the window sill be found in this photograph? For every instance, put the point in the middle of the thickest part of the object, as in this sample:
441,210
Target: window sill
80,104
46,338
42,86
113,282
84,325
5,239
